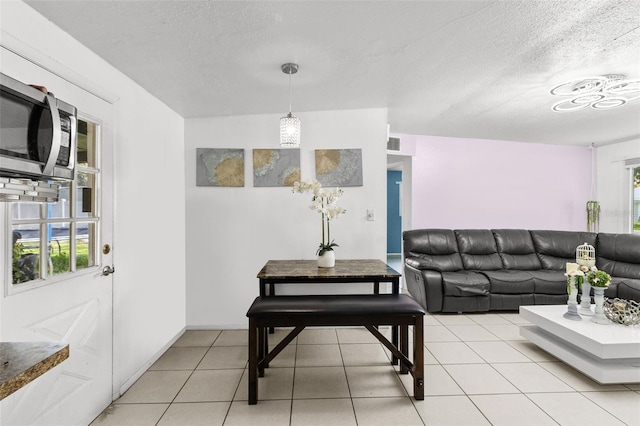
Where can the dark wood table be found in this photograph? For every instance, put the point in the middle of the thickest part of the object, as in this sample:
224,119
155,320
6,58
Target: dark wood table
372,271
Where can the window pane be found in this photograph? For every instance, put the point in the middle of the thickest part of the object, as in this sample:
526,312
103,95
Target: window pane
22,211
61,209
86,194
85,245
86,144
58,247
26,249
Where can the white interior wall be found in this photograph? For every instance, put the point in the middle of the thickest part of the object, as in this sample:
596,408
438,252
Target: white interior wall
149,239
232,232
614,185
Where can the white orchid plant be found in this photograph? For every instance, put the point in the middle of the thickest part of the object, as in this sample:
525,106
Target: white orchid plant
324,202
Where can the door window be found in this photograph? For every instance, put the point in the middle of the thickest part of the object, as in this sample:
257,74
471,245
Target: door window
54,239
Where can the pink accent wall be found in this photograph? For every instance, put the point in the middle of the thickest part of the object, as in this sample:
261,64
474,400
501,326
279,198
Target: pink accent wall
469,183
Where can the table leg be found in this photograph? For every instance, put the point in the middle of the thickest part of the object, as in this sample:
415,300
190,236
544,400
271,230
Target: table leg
263,347
254,347
395,289
395,286
272,292
404,346
418,358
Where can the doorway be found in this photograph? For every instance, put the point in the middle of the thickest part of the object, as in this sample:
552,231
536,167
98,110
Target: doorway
394,212
67,298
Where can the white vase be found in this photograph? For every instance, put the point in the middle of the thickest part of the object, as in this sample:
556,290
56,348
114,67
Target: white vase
327,259
585,301
598,296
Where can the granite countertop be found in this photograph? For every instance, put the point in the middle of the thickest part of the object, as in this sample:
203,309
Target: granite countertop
22,362
308,269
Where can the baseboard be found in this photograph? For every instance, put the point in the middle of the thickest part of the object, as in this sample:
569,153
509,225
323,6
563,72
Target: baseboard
129,382
218,327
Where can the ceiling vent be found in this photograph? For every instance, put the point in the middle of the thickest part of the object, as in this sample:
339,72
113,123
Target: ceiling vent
393,144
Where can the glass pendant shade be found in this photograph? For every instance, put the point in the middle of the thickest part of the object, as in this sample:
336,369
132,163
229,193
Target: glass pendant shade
290,131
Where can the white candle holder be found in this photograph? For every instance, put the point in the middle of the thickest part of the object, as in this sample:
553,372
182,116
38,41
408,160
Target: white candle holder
585,299
572,303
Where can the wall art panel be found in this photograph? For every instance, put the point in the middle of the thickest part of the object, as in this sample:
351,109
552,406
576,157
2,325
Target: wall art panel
219,167
339,167
276,167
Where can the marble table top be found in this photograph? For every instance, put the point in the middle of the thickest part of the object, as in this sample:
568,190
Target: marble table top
22,362
344,269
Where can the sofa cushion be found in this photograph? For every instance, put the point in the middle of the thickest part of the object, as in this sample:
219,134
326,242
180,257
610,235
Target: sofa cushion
629,289
556,248
510,282
436,247
464,283
549,282
465,304
550,299
619,254
612,290
478,249
509,302
516,249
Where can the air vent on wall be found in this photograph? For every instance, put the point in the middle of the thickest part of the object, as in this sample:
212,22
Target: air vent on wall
393,144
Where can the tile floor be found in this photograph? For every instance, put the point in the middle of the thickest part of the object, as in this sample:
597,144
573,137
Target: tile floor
478,371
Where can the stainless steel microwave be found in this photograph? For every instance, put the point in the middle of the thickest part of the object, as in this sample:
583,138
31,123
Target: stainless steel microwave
37,133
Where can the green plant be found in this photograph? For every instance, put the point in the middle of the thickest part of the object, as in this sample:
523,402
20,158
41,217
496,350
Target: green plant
598,278
60,263
18,251
579,280
593,216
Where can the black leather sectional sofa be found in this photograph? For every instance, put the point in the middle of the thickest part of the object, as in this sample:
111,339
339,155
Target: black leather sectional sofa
476,270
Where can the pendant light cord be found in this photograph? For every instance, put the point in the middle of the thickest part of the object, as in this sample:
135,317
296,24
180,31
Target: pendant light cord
289,91
594,190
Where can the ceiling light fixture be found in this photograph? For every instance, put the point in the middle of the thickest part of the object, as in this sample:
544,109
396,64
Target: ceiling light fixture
599,92
289,125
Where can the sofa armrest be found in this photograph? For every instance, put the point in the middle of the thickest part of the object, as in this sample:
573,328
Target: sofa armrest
425,286
421,263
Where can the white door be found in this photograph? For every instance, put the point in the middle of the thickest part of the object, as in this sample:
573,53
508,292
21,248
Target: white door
72,302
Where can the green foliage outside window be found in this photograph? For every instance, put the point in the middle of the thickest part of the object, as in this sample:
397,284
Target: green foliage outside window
26,265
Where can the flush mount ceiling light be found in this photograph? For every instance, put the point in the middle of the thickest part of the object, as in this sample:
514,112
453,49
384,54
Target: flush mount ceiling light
289,125
599,92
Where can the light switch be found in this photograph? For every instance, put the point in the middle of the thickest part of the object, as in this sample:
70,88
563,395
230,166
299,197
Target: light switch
371,215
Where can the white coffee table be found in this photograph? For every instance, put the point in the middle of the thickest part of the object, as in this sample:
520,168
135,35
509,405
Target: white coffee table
606,353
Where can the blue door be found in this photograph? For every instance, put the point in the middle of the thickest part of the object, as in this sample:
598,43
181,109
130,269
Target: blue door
394,212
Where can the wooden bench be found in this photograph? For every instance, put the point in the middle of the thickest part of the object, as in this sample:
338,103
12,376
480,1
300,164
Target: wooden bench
368,310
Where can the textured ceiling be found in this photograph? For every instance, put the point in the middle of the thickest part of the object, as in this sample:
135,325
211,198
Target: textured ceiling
473,69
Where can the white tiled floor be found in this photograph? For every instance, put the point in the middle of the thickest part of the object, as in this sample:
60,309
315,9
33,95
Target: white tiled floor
478,371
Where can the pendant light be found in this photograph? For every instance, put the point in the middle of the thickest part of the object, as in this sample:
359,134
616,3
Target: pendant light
289,125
